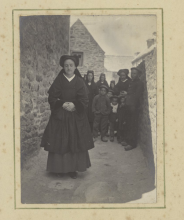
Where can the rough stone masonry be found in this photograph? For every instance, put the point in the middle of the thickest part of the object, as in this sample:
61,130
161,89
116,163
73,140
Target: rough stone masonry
43,39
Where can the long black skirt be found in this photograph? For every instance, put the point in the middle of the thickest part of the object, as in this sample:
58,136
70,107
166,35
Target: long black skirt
69,162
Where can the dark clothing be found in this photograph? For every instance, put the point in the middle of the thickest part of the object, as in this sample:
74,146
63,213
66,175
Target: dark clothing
113,123
133,104
101,104
122,86
59,163
99,83
132,126
122,115
101,121
67,132
101,108
134,93
92,93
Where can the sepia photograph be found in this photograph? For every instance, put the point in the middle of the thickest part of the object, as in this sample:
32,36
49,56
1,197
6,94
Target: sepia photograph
88,109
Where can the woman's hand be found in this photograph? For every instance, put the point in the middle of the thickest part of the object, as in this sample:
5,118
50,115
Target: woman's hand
123,93
69,106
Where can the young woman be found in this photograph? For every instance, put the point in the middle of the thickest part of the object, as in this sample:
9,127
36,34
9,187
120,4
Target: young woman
67,137
122,86
92,88
112,85
102,81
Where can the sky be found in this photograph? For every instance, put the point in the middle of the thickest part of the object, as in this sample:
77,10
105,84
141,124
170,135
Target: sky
121,35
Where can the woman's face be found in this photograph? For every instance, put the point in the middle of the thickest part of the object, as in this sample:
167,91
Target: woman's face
90,77
69,67
123,76
112,85
102,78
134,74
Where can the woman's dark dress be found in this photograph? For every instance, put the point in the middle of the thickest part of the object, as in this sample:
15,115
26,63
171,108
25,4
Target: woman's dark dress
122,86
67,136
92,88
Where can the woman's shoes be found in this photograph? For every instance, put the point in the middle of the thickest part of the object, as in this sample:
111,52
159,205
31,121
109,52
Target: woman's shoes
104,139
129,147
73,175
124,143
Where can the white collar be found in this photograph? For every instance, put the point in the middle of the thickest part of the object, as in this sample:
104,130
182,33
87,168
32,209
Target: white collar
124,80
69,79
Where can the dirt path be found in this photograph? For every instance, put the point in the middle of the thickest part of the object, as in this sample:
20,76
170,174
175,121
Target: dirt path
116,176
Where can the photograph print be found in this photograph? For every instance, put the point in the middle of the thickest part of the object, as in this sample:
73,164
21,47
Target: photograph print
88,109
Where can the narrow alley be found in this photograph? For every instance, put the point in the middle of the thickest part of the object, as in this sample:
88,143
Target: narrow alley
116,176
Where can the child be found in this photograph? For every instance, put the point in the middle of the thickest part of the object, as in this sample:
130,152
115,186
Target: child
110,93
122,115
113,116
101,108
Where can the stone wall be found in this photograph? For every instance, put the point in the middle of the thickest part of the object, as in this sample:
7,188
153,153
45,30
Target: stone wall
43,39
147,123
82,41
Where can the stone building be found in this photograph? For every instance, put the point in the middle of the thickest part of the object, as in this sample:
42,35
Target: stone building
90,54
147,62
43,39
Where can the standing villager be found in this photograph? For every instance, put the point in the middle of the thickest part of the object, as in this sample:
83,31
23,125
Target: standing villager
122,86
112,85
133,104
92,88
101,108
122,114
67,137
113,116
102,81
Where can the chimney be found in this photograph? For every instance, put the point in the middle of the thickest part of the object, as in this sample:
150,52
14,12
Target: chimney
150,42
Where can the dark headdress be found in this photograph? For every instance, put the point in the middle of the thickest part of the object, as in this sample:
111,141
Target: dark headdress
114,96
126,71
92,72
75,59
104,86
55,87
136,68
102,74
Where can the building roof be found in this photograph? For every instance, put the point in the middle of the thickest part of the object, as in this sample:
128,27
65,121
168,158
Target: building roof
144,53
79,22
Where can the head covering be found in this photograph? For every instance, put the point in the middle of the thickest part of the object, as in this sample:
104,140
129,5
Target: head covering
136,68
126,71
68,57
112,81
114,96
75,60
120,97
88,72
110,90
102,74
104,86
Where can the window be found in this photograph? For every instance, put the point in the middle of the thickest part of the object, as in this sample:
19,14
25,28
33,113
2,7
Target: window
80,56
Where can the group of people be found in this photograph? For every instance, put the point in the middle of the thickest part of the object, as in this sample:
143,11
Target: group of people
80,107
115,108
